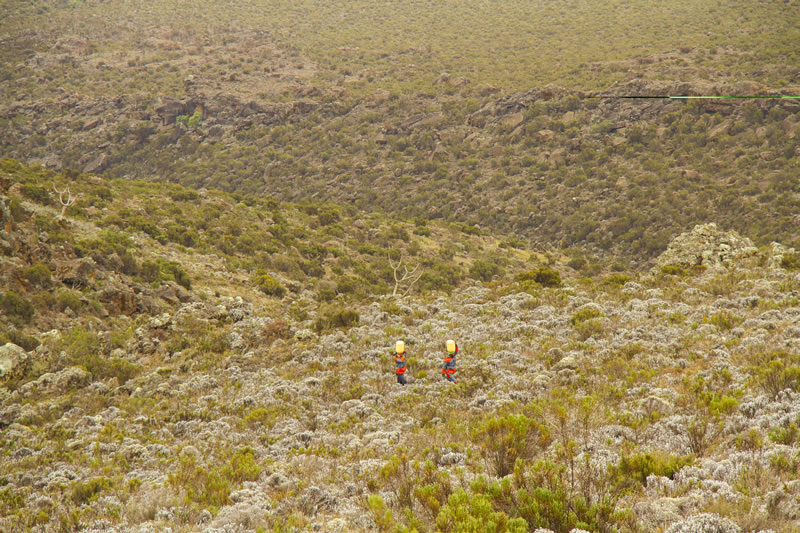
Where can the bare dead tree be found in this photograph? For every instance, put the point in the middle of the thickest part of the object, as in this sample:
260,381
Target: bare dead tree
406,275
64,203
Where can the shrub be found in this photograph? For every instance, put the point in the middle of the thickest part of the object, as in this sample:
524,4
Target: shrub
344,318
577,263
485,270
504,440
265,417
37,193
208,488
616,279
68,299
87,491
26,342
473,513
38,275
150,271
791,261
778,375
172,270
243,466
638,467
585,314
546,277
328,215
269,285
673,270
724,321
786,435
16,306
589,328
192,121
380,513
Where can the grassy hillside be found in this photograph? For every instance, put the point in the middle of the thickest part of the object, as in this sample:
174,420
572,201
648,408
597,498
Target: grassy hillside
163,380
439,110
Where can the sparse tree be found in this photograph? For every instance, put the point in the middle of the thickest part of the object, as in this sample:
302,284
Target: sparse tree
409,276
64,203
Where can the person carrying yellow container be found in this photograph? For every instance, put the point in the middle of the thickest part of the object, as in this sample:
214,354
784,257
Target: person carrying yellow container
400,362
449,365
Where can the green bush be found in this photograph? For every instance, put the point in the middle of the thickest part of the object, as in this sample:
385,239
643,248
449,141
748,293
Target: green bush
269,285
87,491
577,263
68,299
786,435
328,215
26,342
15,305
673,270
504,440
584,315
638,467
38,275
150,271
473,513
37,193
779,374
344,318
207,488
724,321
616,279
243,466
192,121
173,271
485,270
546,277
791,261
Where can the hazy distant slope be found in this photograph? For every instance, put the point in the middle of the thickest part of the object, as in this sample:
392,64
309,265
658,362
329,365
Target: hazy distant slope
433,109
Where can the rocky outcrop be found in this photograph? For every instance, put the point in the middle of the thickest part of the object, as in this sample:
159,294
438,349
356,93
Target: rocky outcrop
13,361
708,246
77,273
704,523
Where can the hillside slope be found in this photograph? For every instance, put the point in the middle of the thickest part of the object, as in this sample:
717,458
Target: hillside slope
629,401
482,116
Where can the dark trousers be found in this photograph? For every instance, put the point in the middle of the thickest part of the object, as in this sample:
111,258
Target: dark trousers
401,379
451,378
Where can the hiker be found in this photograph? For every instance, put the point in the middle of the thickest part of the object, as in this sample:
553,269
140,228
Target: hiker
449,365
400,362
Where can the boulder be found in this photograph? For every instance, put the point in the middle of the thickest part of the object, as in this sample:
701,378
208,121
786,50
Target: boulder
98,164
13,361
704,523
118,299
57,382
706,245
77,273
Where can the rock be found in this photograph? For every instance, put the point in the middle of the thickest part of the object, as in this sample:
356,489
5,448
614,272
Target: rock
558,157
118,299
545,135
567,363
98,164
706,245
57,383
13,361
77,273
92,124
719,129
160,321
317,500
777,253
704,523
514,120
